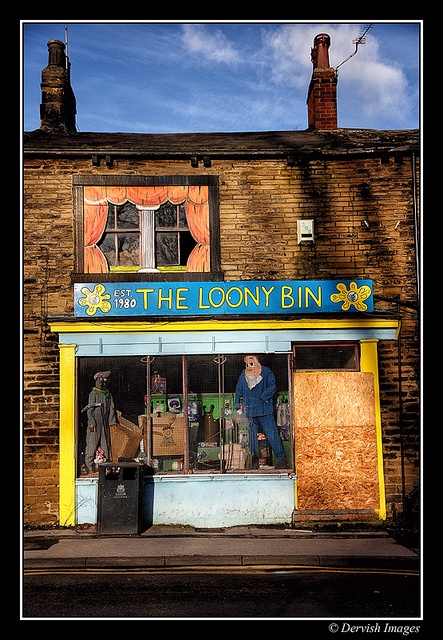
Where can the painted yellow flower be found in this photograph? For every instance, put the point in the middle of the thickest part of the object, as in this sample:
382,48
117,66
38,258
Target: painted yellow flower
354,296
96,299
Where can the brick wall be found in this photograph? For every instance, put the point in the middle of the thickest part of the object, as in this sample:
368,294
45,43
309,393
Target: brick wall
260,203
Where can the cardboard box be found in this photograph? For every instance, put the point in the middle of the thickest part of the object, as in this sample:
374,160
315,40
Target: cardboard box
235,456
167,433
125,438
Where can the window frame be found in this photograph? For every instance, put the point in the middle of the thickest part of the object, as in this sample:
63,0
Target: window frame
212,182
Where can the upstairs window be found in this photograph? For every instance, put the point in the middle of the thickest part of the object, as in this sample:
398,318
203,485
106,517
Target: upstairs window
166,224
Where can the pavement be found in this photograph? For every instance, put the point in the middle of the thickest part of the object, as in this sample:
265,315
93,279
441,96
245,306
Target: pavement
167,546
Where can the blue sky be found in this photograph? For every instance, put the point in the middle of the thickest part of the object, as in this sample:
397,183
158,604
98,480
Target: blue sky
170,77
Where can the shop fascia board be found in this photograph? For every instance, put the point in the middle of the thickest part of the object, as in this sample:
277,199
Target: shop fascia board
111,339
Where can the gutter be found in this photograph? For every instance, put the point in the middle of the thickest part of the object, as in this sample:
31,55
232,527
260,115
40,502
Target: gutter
291,156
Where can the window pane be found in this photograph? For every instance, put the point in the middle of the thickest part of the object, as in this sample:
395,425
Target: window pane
129,249
166,216
111,222
166,250
182,216
127,216
121,249
187,244
326,357
107,246
210,398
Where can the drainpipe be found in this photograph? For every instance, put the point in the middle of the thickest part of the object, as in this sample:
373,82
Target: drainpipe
416,221
400,411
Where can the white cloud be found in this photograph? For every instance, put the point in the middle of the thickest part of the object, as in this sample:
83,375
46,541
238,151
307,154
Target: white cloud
379,91
210,46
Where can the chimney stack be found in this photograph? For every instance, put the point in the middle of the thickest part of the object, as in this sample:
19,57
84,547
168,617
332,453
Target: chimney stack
322,93
58,107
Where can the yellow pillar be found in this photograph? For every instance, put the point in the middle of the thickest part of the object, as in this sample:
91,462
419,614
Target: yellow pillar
369,362
67,435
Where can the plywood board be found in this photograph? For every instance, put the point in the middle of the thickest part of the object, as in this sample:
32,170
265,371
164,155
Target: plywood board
335,441
340,398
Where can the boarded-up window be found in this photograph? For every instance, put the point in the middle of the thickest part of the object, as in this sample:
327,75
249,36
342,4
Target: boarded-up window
335,441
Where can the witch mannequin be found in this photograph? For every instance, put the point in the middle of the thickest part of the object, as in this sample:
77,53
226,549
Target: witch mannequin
101,415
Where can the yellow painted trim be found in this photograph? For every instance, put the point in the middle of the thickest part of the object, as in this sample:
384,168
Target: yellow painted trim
134,326
173,269
369,363
125,269
67,435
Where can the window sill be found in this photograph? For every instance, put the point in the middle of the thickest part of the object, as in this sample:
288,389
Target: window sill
162,276
147,270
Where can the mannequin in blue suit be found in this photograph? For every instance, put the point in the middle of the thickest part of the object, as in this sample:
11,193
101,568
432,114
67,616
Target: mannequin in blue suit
257,386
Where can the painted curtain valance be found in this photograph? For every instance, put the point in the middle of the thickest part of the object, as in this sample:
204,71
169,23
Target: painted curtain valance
96,200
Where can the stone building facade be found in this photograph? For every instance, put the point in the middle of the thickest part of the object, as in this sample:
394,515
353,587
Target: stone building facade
361,190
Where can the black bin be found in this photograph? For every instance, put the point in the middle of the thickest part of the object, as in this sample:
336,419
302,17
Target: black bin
120,497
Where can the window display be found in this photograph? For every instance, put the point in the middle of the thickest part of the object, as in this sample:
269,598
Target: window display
181,414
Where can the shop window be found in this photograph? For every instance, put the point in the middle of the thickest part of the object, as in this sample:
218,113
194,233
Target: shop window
326,357
192,424
147,225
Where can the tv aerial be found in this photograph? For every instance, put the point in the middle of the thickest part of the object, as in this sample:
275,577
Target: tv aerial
357,41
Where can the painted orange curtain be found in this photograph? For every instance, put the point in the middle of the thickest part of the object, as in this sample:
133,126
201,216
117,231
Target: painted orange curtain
96,201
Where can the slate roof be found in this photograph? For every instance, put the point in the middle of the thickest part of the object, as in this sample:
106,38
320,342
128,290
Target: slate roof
265,144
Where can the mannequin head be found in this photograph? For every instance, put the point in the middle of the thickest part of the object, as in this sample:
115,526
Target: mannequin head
101,379
253,366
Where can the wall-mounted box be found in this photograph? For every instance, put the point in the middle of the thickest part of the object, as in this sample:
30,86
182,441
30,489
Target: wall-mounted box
305,231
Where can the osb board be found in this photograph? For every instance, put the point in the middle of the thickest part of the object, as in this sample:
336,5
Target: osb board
167,433
335,441
328,399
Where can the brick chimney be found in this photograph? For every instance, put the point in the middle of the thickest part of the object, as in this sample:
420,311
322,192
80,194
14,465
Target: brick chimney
322,93
58,107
